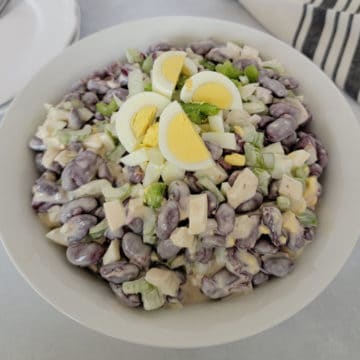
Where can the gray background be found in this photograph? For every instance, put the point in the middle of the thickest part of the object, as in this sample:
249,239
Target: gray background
31,329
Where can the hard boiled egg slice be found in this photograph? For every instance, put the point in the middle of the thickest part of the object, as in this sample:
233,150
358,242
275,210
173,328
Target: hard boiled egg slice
166,70
213,88
179,142
189,67
136,115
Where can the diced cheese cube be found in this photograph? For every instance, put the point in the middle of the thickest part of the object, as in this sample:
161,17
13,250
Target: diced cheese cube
181,237
290,187
299,157
216,122
167,281
243,189
198,211
112,253
115,214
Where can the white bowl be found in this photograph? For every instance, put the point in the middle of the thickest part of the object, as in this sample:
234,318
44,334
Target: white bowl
85,299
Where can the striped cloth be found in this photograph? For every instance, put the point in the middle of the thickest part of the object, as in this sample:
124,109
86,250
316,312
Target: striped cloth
327,31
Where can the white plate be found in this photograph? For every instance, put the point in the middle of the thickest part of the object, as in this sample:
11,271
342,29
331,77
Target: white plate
31,33
89,301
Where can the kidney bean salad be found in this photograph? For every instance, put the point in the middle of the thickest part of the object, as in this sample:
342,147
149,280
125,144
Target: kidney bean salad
180,174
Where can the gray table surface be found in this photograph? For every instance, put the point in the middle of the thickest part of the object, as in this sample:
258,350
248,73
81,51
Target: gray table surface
31,329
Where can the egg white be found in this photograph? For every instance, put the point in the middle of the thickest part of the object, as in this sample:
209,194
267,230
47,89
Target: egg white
128,110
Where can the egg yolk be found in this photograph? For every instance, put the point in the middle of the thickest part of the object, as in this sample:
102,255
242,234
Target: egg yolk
142,120
171,68
213,93
151,137
184,142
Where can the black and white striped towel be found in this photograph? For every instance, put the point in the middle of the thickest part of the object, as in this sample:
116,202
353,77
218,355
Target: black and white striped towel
327,31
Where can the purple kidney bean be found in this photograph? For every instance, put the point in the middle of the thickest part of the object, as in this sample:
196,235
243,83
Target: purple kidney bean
215,150
120,93
168,219
264,246
260,278
225,218
251,204
280,129
119,272
212,241
36,144
316,170
290,140
135,173
99,213
265,120
89,98
135,250
104,172
166,249
78,227
114,234
161,46
278,264
136,225
132,300
272,218
77,207
217,54
224,164
191,180
274,190
202,47
38,163
203,255
97,85
309,234
233,177
212,202
289,82
84,254
277,88
74,121
269,73
222,284
80,171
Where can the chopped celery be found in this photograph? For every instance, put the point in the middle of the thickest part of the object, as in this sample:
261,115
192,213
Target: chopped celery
283,203
252,154
107,109
252,73
116,154
308,218
134,56
255,138
152,299
99,229
135,82
228,69
209,185
255,106
244,79
209,65
136,286
149,224
120,193
264,180
199,113
154,194
147,86
148,64
301,172
66,136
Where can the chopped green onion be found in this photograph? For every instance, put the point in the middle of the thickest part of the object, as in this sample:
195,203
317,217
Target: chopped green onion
283,203
181,81
308,218
252,73
148,64
199,113
154,194
209,65
228,69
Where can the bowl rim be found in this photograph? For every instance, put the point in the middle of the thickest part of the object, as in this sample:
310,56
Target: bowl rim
143,341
